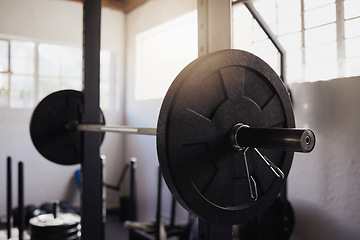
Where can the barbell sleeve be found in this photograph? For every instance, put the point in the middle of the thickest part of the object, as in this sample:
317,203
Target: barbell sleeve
284,139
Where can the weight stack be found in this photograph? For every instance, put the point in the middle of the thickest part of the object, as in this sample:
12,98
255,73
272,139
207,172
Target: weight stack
63,226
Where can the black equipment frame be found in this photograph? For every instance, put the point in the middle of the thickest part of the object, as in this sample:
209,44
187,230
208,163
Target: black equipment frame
92,219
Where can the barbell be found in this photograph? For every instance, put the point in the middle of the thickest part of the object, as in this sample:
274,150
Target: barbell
225,135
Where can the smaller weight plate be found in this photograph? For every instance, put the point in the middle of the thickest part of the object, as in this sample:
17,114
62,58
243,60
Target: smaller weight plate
48,127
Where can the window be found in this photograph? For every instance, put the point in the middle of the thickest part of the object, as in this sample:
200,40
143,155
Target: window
60,67
4,70
30,71
20,75
161,53
106,74
352,37
311,33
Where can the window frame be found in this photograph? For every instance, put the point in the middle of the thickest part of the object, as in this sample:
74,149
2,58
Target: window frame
36,76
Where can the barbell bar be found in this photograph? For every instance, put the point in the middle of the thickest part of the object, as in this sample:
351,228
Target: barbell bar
73,125
241,136
225,135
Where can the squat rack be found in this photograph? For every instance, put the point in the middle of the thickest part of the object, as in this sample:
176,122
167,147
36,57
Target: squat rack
92,189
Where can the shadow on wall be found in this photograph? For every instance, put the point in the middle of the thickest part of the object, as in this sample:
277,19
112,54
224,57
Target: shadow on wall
324,184
316,223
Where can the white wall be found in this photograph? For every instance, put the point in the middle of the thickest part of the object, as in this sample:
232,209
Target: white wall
145,113
324,184
56,22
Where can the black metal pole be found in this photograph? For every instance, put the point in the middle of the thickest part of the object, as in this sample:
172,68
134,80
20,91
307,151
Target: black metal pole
9,198
158,207
21,200
214,231
132,209
92,222
173,212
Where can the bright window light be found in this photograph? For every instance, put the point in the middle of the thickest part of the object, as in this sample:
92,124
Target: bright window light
351,8
312,36
22,79
161,53
4,56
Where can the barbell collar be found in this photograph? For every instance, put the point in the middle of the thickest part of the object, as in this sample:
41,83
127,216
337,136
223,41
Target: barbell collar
284,139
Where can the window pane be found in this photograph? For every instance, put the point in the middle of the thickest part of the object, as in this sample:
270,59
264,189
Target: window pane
320,53
266,51
105,67
294,58
310,4
242,26
22,57
351,8
161,53
352,67
105,76
352,47
4,56
71,83
105,94
4,89
320,35
21,91
288,9
48,85
320,16
294,74
258,33
49,60
267,10
321,71
291,41
71,62
352,28
289,26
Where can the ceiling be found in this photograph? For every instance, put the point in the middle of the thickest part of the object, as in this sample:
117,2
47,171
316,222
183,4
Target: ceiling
122,5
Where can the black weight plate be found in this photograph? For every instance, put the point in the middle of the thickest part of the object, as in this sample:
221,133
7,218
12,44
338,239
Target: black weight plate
37,236
54,235
204,173
47,127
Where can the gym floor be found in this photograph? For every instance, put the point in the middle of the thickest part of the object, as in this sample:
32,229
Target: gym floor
114,229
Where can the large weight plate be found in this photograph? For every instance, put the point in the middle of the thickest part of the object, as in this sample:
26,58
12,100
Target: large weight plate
47,127
204,173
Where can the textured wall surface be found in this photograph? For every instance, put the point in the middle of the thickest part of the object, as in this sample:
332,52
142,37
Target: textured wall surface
324,185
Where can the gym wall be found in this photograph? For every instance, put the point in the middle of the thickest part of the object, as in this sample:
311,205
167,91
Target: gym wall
324,184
